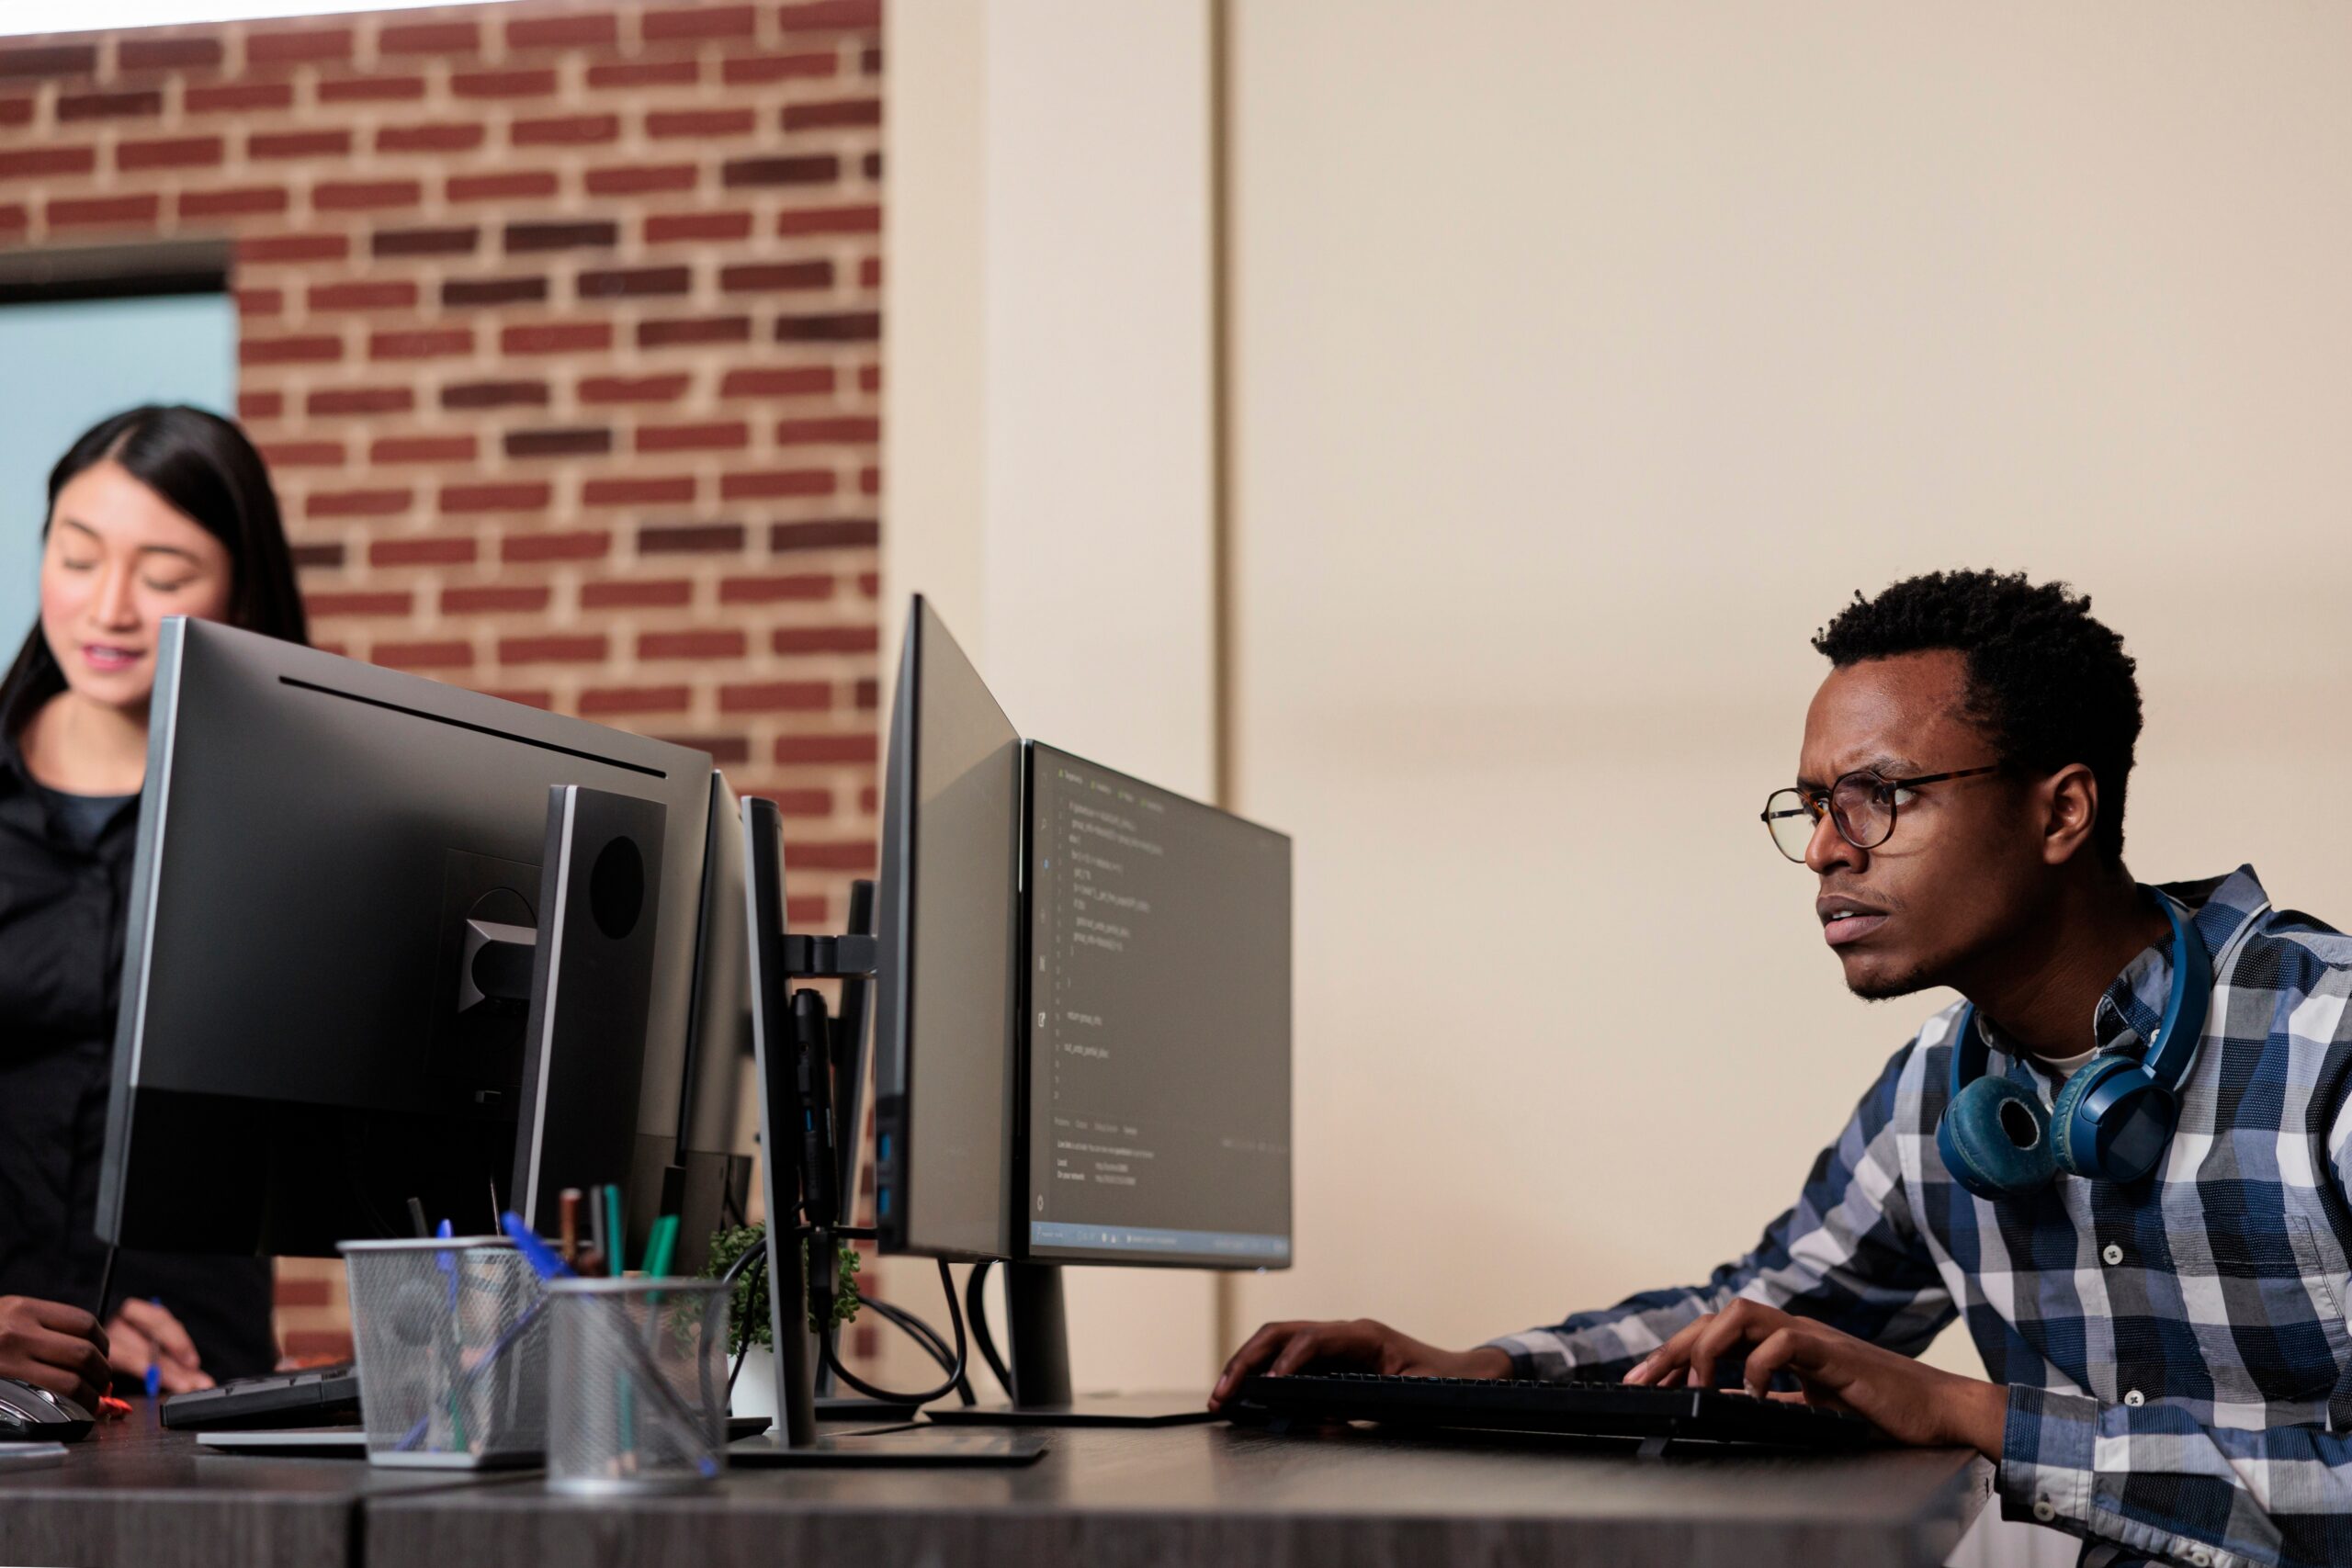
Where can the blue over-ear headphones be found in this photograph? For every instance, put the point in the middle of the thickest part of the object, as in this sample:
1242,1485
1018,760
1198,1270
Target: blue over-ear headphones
2112,1119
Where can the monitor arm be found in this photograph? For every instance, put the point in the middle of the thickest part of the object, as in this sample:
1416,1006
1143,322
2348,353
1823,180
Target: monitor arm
849,957
495,974
829,1053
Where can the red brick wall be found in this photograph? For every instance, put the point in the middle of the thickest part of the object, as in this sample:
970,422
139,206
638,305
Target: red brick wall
560,329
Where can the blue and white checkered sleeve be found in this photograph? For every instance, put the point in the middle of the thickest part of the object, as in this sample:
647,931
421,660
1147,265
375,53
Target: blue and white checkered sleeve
2150,1478
1848,1253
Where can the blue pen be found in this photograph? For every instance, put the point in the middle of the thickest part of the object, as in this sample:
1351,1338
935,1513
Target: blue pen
545,1260
154,1367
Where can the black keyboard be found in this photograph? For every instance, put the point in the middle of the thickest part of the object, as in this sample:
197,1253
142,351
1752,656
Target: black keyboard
314,1396
1592,1409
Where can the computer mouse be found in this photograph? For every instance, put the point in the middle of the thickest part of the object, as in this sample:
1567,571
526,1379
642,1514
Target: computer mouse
30,1413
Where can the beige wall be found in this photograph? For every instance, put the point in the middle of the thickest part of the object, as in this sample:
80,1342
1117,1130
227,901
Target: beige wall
1587,357
1049,428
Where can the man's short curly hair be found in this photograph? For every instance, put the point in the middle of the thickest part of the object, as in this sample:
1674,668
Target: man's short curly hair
2048,684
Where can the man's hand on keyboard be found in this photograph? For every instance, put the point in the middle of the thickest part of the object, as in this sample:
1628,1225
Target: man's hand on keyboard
1361,1345
1908,1401
145,1332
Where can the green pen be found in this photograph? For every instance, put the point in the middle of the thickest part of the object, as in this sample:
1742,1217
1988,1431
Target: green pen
661,1247
616,1266
616,1263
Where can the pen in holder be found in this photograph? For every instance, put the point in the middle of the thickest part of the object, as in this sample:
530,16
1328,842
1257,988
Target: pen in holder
450,1337
638,1400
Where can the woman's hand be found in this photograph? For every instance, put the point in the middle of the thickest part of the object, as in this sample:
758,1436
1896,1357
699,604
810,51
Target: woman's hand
56,1347
145,1334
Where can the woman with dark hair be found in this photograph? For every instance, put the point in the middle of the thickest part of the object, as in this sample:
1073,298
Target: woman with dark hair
153,512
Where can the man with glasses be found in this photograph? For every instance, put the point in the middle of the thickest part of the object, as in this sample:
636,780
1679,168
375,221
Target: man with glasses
2170,1367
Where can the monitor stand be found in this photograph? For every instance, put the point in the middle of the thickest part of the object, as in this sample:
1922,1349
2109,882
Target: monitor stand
857,1407
920,1447
796,1440
1042,1397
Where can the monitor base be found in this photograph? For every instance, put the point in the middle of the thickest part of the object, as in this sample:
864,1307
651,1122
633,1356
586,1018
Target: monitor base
906,1447
1172,1408
857,1407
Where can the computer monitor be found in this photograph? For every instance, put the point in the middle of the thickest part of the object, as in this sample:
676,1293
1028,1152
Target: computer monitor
322,846
945,1051
713,1172
1157,1107
1155,1101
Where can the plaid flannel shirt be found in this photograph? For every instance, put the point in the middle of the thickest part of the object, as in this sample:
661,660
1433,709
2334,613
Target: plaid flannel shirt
2175,1350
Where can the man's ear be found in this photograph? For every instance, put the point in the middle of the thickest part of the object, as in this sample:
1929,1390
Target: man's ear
2069,805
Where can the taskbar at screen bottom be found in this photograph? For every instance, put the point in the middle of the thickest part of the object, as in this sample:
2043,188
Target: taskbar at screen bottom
1222,1250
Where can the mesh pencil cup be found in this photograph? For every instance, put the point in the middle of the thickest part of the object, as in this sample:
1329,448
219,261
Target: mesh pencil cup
637,1401
450,1337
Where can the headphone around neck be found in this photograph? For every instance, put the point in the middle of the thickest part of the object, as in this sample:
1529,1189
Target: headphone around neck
2112,1119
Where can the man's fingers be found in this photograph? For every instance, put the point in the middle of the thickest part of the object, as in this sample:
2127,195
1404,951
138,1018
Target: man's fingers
1726,1330
169,1336
1740,1324
1779,1350
1305,1347
1669,1356
1255,1351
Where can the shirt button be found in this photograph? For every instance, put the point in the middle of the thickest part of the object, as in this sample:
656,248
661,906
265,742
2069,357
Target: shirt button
2199,1558
2113,1254
2043,1511
2134,1398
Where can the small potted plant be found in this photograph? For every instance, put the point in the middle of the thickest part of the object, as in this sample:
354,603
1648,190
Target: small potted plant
748,1310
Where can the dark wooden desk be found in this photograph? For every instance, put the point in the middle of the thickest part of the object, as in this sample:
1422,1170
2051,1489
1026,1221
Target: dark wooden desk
138,1496
1236,1499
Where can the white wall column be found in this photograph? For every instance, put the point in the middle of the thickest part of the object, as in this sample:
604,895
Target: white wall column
1048,427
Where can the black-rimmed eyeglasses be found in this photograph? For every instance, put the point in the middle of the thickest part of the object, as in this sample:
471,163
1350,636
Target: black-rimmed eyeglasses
1862,804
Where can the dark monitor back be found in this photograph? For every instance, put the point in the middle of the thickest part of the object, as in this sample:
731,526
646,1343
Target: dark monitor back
715,1174
720,1039
948,918
1158,1014
290,1064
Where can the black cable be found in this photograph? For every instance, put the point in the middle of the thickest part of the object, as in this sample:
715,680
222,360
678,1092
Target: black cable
925,1336
928,1338
752,1257
955,1316
976,1303
950,1361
